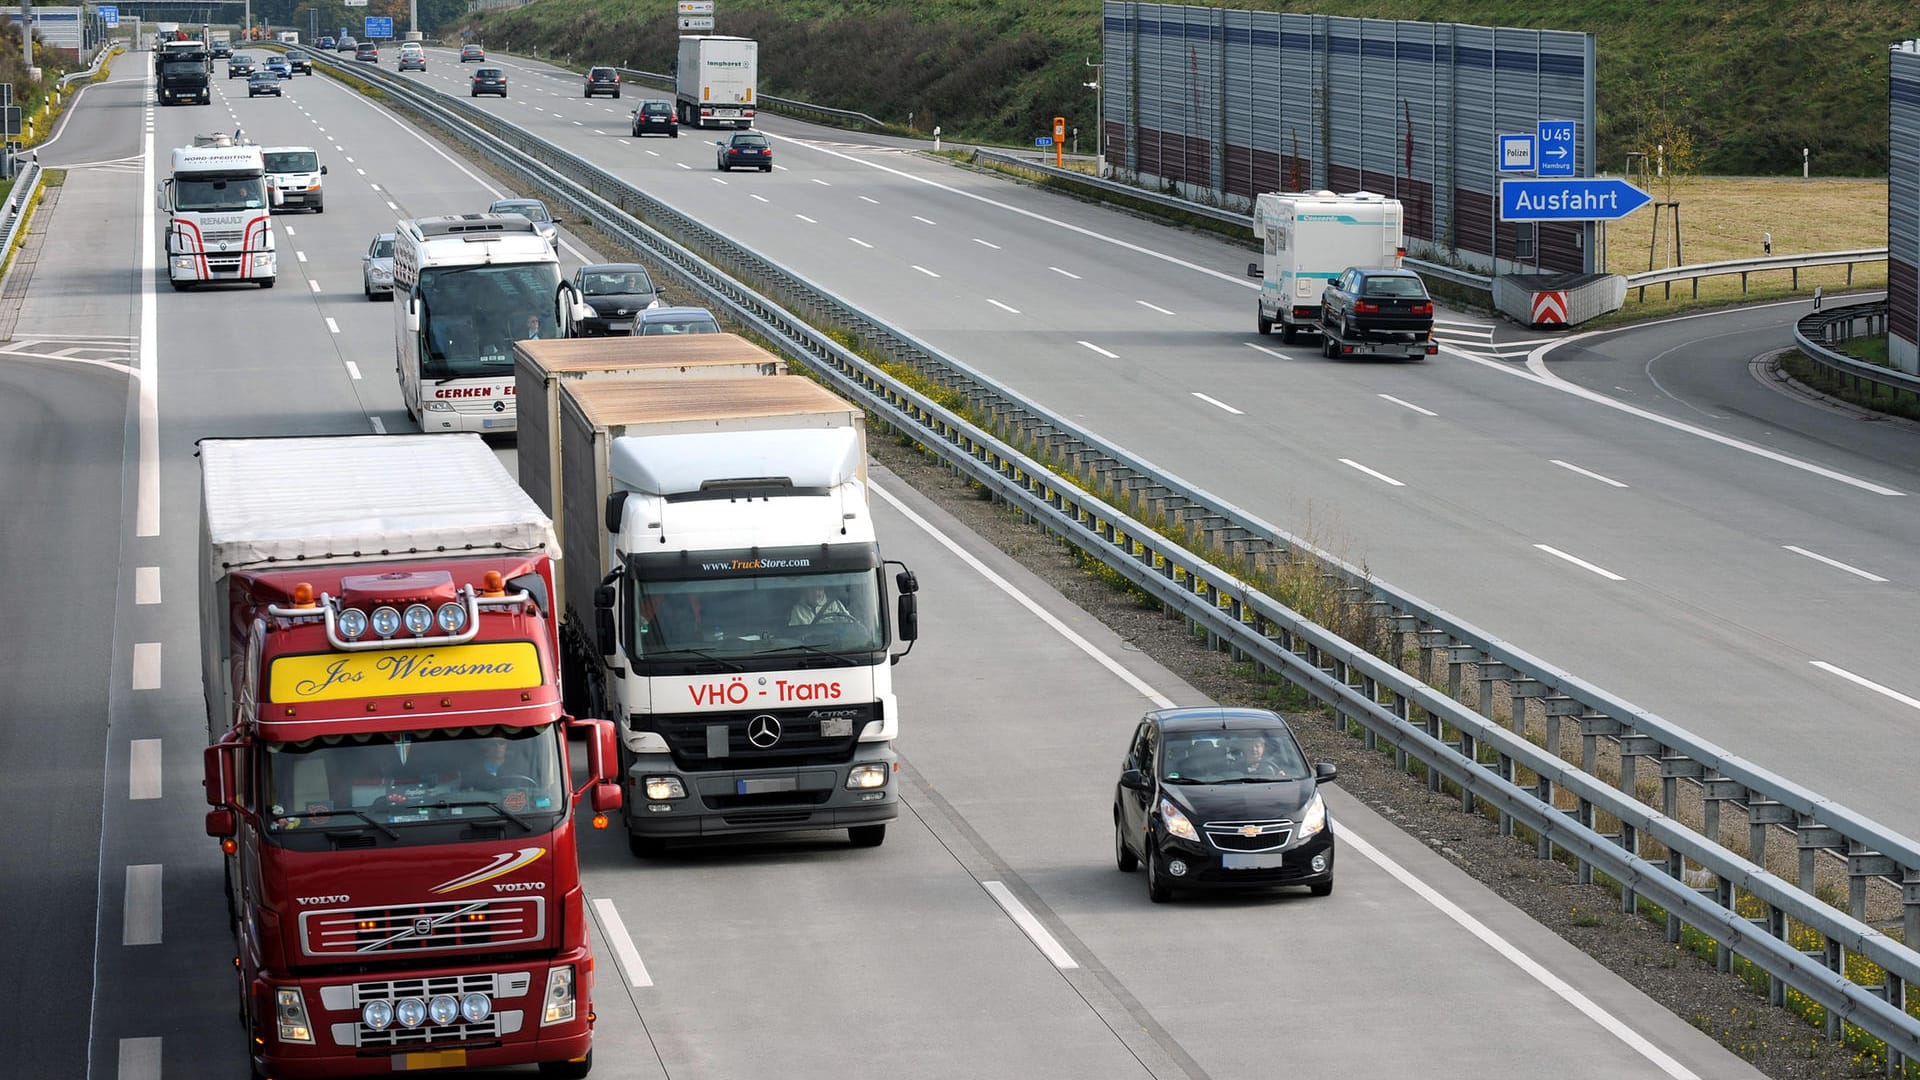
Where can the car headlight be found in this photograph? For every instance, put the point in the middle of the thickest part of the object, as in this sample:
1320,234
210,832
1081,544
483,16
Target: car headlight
867,776
661,788
1177,823
1313,819
290,1013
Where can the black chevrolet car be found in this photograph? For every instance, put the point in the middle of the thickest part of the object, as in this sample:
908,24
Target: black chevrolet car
1212,798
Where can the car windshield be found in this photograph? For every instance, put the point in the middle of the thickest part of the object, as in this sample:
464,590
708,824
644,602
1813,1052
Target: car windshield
530,211
1229,757
750,615
616,282
690,324
396,779
383,248
474,314
1395,286
248,193
293,161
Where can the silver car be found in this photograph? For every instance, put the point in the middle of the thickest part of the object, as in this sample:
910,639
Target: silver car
675,320
376,271
535,211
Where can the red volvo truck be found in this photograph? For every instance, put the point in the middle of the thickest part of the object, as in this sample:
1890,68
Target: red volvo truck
389,768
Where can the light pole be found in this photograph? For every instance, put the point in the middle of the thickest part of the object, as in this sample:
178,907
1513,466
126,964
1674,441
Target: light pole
1099,124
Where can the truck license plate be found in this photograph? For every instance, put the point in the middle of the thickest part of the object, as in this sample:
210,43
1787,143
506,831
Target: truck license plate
766,786
834,727
432,1059
1234,860
486,423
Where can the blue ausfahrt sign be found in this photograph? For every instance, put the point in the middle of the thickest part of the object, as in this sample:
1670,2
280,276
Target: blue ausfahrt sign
1569,200
1556,148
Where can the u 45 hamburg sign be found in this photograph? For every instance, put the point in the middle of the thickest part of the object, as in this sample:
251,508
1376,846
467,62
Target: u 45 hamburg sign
1569,200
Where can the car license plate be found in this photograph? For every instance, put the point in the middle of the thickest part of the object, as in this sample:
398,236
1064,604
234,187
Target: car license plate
766,786
1264,860
626,325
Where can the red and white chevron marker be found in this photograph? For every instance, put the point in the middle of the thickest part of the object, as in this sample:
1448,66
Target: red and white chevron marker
1550,309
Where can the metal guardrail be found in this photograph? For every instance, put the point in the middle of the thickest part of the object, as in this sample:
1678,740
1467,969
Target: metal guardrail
1489,762
1814,332
1795,263
99,58
26,184
776,104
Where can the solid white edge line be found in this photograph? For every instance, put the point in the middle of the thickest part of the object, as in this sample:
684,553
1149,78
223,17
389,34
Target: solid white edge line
1588,473
140,917
1868,683
1506,949
1579,562
1101,351
1375,473
1512,953
624,952
146,585
1217,403
146,665
143,769
139,1059
1005,586
146,515
1408,405
1048,945
1835,563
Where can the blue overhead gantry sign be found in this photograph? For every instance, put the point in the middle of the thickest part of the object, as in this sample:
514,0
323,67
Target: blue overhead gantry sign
1606,199
379,26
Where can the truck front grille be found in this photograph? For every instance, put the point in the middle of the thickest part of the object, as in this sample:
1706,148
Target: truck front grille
454,925
695,738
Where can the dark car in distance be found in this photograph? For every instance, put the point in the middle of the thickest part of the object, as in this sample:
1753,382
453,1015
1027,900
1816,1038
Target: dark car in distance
263,82
472,52
1366,308
655,118
299,65
239,64
603,80
346,44
1221,798
745,150
617,293
488,81
368,52
324,43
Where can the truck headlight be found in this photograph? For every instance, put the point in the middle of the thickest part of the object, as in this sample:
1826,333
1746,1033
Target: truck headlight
290,1012
184,262
476,1007
1313,819
1177,823
560,1000
660,788
443,1009
378,1015
867,776
411,1012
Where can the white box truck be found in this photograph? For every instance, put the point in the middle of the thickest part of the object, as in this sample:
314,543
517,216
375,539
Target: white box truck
1307,239
714,80
725,602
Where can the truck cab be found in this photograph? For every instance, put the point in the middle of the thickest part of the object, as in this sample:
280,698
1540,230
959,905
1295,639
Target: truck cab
219,227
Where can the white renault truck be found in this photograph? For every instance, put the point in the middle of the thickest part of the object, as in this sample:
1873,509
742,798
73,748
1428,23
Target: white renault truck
725,600
219,224
1307,239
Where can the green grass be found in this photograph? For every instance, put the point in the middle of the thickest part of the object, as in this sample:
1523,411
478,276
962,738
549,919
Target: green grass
1752,81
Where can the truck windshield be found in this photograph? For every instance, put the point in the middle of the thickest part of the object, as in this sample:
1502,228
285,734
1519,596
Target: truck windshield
394,779
474,314
750,616
239,193
178,64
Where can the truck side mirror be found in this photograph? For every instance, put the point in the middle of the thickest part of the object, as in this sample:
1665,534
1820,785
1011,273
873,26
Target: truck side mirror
909,617
604,598
413,315
217,765
607,797
221,824
1253,270
616,509
906,582
274,196
163,199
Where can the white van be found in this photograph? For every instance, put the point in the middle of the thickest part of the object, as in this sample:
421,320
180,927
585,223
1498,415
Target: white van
295,172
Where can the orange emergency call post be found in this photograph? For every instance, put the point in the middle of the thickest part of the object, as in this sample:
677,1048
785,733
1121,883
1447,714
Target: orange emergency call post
1059,142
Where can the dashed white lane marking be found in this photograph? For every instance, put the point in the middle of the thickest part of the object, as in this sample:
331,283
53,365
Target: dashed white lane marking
362,172
624,951
718,180
875,202
1030,926
143,769
924,221
1153,307
1835,563
821,182
353,370
1217,403
301,255
1275,353
1375,473
1003,307
289,229
140,921
1067,273
379,428
392,207
806,219
1579,562
925,271
1868,683
146,665
314,285
332,327
375,187
146,584
1408,405
762,198
1101,351
683,165
1588,473
985,243
139,1059
859,241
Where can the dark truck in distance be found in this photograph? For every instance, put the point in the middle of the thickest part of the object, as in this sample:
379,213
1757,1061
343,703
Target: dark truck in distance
186,73
1384,313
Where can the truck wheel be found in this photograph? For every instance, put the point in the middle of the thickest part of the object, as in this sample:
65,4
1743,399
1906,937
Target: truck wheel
1260,319
574,1069
181,286
868,835
266,283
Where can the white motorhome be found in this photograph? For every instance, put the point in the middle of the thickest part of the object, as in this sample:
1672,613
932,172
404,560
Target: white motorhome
1307,239
467,287
220,226
714,81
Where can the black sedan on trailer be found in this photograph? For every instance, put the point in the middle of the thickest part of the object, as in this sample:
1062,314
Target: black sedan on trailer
1213,798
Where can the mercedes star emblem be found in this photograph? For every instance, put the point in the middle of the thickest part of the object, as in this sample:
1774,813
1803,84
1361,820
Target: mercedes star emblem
763,731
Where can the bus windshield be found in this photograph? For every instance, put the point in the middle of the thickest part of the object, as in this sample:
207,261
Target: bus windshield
472,315
240,193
